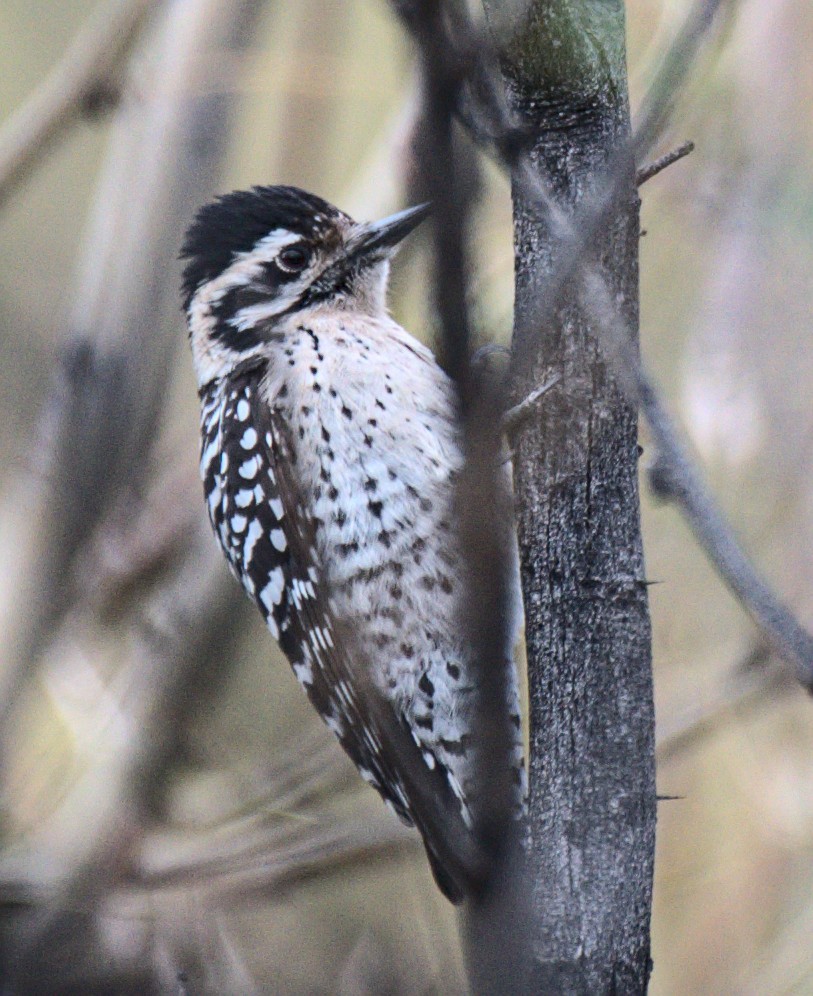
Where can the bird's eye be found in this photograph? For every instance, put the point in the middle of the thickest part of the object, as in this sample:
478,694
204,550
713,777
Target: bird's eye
294,258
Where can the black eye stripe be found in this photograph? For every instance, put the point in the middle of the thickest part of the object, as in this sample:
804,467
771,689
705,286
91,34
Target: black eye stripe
245,297
226,308
268,281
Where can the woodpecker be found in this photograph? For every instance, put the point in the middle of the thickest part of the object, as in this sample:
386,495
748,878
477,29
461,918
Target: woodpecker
330,447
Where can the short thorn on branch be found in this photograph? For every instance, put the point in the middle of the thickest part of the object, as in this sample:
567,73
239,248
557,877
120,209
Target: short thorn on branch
647,172
515,416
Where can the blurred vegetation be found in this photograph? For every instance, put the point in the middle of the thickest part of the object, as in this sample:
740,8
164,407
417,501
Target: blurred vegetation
259,861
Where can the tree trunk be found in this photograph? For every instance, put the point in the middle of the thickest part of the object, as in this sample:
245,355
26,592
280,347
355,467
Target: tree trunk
592,771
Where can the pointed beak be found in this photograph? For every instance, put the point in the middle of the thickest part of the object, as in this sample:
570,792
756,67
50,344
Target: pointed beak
378,238
367,245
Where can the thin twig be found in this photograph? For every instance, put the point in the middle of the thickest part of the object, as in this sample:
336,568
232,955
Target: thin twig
86,69
161,166
262,859
743,689
494,125
673,73
515,416
448,170
170,653
448,173
574,234
164,152
314,850
659,165
678,480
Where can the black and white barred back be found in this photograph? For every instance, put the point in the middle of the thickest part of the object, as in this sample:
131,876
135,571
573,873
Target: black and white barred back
330,446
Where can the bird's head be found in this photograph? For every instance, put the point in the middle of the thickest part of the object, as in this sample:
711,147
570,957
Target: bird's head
259,256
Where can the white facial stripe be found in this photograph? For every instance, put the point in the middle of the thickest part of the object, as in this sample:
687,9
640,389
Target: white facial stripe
246,266
269,245
247,317
210,356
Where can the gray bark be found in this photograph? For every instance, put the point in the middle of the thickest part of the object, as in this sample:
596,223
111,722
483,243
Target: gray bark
592,773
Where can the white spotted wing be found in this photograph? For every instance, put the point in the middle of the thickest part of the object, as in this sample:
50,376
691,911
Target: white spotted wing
248,465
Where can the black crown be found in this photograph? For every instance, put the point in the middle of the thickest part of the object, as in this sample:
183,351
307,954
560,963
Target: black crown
235,223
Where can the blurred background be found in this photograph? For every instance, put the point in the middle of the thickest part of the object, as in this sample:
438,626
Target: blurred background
174,816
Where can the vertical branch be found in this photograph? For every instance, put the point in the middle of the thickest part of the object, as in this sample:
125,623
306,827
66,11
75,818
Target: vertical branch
448,178
592,775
